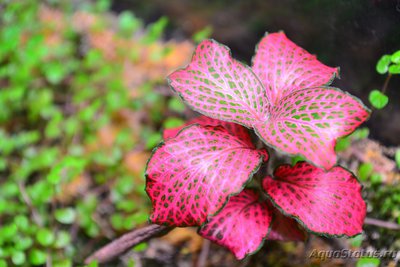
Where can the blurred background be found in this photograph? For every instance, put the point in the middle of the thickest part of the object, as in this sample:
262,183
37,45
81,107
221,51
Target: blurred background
83,100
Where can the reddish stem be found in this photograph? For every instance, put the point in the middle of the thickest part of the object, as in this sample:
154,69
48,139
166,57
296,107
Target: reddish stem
127,241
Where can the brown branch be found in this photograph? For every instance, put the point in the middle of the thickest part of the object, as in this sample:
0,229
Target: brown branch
127,241
382,224
135,237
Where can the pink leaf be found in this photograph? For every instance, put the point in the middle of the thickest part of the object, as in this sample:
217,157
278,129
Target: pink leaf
218,86
324,202
285,228
192,175
241,226
230,127
283,67
288,117
308,122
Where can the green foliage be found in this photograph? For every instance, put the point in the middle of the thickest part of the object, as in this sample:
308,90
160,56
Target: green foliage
365,170
383,203
389,63
58,93
368,262
155,30
176,104
356,241
383,64
378,99
344,142
202,34
128,23
66,216
397,158
173,122
296,159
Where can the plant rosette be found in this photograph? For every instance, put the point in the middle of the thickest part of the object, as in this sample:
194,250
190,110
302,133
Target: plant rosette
198,175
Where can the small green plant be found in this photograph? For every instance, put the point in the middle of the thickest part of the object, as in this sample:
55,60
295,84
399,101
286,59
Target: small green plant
389,65
66,143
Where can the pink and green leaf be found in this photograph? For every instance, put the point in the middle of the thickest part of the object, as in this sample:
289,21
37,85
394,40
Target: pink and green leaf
324,202
218,86
283,67
285,228
307,122
192,175
294,114
241,226
232,128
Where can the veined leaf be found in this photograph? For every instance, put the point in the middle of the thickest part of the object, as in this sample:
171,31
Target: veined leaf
218,86
192,175
303,121
283,67
241,225
308,122
285,228
230,127
324,202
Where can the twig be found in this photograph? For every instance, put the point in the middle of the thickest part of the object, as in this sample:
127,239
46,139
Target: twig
205,249
35,215
383,224
127,241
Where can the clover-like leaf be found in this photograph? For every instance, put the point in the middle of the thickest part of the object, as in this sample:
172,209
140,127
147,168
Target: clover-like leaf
394,69
285,228
232,128
192,175
383,64
304,121
378,99
308,122
241,226
283,67
218,86
395,58
324,202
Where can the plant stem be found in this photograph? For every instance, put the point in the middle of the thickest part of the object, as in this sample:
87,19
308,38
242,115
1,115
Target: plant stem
385,85
34,213
137,236
125,242
382,224
205,250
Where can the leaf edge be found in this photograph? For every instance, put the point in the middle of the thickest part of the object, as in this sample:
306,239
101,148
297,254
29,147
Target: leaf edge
169,82
368,110
335,75
263,240
300,221
162,143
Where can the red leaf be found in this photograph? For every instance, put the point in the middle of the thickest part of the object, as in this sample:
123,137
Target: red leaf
230,127
308,122
283,67
324,202
285,228
192,175
288,115
218,86
241,226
